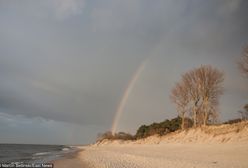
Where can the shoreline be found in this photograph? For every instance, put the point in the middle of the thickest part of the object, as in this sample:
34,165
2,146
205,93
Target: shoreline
70,160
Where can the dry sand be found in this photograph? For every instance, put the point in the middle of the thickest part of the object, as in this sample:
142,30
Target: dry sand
167,156
210,147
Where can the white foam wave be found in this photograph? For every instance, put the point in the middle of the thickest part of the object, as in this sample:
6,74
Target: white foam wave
41,153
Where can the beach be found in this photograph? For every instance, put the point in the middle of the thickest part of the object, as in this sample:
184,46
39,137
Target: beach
160,156
210,147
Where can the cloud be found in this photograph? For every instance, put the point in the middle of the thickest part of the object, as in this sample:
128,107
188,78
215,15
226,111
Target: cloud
229,7
22,129
115,16
46,87
17,120
66,8
68,73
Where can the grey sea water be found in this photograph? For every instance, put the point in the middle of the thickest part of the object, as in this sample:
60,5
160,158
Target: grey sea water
25,153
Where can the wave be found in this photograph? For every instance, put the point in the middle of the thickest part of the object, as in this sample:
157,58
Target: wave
41,153
65,149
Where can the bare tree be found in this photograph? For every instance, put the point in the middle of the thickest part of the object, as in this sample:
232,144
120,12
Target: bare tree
210,88
179,96
201,87
243,64
190,81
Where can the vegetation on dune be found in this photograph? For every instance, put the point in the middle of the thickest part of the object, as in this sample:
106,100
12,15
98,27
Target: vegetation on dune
108,135
233,121
161,128
144,131
243,116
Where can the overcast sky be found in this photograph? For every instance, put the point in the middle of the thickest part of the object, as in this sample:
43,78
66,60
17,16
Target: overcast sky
64,64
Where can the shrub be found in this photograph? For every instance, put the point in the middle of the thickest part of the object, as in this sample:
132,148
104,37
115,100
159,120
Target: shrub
162,128
144,131
120,135
233,121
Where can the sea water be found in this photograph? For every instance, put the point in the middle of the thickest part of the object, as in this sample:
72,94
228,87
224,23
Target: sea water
24,153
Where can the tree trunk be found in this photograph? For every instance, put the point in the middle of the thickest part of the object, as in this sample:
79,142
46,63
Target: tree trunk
182,124
194,111
205,110
205,119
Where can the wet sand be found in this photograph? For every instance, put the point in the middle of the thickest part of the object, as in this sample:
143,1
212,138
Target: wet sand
71,160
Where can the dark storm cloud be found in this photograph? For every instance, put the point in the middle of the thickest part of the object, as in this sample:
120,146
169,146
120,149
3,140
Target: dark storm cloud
71,61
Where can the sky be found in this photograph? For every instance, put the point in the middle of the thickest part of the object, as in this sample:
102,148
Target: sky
65,64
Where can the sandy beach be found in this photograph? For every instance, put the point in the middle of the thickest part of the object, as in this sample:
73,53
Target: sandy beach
211,147
160,156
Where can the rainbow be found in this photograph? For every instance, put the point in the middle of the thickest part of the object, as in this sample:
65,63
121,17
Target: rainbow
125,96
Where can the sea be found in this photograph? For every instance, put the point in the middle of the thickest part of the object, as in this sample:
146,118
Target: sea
24,153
